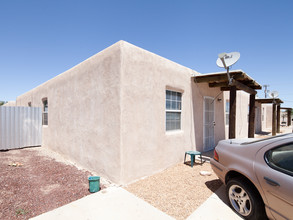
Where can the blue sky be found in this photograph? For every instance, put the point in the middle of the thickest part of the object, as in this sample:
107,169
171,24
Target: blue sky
40,39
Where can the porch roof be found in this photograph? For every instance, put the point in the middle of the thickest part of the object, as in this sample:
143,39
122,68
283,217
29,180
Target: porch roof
269,101
220,79
286,108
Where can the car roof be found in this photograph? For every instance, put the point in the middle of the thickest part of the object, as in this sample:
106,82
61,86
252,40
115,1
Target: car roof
275,138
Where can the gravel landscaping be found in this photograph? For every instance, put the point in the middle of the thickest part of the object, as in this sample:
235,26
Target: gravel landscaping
178,190
31,183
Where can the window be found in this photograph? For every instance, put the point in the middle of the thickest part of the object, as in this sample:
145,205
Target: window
45,111
173,110
227,109
29,104
281,158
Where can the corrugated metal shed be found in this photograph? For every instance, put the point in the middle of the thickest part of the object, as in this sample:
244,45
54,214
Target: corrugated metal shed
20,127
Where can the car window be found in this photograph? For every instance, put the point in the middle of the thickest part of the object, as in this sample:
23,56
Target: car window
281,158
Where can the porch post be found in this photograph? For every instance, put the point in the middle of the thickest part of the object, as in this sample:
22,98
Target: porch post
289,117
274,120
251,116
278,118
232,113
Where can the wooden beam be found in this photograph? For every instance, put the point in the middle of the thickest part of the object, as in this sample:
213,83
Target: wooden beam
278,118
251,120
232,113
226,88
220,84
243,87
274,120
212,78
221,77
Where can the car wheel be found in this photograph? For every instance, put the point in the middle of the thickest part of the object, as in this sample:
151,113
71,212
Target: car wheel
245,199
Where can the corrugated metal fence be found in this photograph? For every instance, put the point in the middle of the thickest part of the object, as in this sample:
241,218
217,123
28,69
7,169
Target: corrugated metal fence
20,127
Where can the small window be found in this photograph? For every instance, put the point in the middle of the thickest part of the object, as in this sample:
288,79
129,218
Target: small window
29,104
45,111
227,109
173,110
281,158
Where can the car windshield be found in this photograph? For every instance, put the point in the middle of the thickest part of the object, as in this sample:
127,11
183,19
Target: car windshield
264,139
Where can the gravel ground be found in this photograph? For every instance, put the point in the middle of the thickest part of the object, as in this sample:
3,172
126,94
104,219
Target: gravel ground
31,183
178,190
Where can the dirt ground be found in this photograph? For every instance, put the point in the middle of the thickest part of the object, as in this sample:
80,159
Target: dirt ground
31,183
177,191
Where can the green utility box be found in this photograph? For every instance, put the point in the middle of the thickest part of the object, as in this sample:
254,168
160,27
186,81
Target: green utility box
94,183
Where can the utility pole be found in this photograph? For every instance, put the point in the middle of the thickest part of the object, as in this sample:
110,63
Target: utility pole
266,90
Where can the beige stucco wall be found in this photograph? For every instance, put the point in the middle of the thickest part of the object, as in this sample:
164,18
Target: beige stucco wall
146,145
108,113
242,110
199,92
258,117
84,112
10,103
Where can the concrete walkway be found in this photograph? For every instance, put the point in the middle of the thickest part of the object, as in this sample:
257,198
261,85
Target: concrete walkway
117,203
215,208
111,203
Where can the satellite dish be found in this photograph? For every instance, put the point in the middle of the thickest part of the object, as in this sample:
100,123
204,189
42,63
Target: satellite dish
227,59
274,94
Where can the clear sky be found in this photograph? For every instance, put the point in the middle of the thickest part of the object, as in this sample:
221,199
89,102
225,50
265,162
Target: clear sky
40,39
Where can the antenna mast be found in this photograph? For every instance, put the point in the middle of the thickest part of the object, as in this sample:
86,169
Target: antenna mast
266,91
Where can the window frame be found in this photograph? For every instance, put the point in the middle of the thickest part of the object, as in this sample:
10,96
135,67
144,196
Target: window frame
45,118
175,106
274,166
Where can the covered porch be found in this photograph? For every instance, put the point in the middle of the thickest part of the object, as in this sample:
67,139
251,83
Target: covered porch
241,81
276,106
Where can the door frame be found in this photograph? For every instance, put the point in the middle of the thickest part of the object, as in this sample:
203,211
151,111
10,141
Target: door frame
204,119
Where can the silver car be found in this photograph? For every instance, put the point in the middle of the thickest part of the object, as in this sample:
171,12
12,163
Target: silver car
258,174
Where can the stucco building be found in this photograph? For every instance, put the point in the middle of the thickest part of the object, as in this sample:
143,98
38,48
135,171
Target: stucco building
127,113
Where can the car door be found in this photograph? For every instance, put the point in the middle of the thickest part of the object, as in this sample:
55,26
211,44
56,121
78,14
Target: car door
274,170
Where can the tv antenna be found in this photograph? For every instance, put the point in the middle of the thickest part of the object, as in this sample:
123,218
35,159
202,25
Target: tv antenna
226,60
266,91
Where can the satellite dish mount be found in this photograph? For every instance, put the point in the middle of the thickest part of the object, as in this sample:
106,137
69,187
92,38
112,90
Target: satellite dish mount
226,60
274,95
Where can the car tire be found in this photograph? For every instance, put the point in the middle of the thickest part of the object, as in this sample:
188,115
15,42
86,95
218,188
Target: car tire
244,199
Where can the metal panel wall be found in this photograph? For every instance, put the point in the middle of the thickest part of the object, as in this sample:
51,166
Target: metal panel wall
20,127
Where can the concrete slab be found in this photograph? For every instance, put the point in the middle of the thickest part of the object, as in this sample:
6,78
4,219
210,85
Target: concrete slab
111,203
215,208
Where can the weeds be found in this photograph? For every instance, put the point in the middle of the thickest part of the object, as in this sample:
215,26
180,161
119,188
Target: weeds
21,211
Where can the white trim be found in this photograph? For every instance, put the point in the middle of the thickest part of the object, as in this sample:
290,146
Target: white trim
173,110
